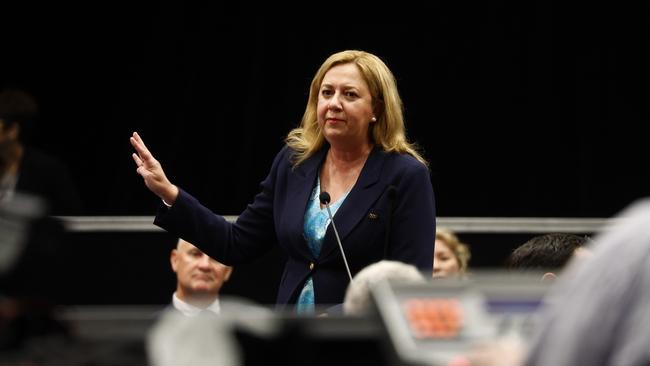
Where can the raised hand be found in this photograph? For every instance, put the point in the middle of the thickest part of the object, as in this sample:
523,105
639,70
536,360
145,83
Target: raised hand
152,172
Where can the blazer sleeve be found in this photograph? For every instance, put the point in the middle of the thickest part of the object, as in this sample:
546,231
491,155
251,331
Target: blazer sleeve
252,235
413,224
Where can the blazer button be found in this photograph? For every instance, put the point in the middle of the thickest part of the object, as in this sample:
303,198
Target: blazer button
311,266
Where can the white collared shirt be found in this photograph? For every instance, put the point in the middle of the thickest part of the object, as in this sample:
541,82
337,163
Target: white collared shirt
191,310
8,187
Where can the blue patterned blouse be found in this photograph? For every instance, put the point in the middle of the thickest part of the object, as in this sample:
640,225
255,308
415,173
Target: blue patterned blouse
316,222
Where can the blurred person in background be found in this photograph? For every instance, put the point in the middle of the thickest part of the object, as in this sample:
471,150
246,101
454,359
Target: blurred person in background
451,256
358,299
26,169
549,253
199,279
597,311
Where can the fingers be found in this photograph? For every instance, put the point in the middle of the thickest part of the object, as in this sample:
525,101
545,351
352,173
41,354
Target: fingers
137,138
140,147
136,158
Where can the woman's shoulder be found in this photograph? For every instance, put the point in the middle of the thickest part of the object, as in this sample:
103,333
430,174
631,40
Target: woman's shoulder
404,162
283,163
284,156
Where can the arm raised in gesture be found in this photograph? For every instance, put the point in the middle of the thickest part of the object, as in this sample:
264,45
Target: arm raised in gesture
152,172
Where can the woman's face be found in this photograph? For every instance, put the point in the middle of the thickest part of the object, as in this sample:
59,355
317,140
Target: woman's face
345,107
444,260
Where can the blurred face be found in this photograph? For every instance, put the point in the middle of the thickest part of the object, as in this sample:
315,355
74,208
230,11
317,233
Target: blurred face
198,275
8,133
345,106
444,261
8,146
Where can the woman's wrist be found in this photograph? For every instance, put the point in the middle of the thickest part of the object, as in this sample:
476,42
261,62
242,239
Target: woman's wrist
169,198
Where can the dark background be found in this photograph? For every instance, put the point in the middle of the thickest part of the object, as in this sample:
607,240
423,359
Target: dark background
522,108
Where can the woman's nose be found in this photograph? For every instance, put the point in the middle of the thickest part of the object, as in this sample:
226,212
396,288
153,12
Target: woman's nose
335,103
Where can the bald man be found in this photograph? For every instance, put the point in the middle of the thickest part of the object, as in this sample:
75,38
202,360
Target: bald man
199,279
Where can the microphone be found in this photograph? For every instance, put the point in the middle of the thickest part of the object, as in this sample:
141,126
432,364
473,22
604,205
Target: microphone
391,193
325,200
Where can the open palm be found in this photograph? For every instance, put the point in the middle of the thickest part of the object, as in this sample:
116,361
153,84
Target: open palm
151,171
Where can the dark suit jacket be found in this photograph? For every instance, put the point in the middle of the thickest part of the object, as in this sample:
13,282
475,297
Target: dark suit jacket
276,217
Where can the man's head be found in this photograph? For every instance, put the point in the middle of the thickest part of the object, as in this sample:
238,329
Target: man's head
548,252
199,277
358,300
18,110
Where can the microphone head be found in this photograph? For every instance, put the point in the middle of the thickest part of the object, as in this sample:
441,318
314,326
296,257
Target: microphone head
324,198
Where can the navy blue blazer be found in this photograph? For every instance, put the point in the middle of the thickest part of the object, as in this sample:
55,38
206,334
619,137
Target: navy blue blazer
364,221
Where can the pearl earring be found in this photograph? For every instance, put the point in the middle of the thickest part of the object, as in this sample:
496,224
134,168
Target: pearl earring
373,119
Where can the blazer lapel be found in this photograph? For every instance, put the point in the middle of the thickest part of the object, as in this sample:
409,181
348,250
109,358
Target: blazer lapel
300,185
364,193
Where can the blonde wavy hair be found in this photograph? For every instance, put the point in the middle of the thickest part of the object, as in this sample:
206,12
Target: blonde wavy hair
388,132
461,250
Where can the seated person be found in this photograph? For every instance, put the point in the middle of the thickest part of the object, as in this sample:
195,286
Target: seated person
450,256
598,309
25,169
549,252
199,280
